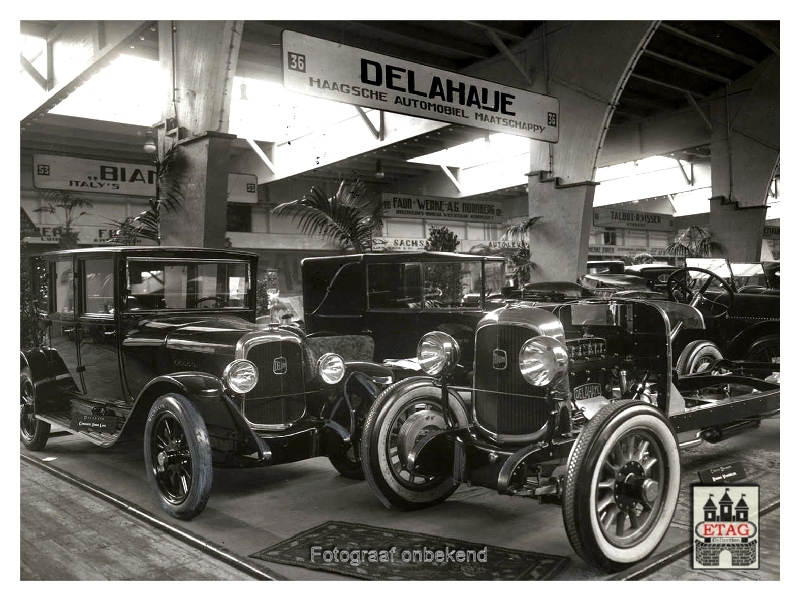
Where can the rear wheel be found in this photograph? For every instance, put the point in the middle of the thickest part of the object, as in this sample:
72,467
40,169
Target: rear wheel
396,421
32,431
177,455
697,357
622,484
765,349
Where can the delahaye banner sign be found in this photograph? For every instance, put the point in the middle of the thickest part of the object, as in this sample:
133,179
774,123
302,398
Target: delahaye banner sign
353,76
631,219
54,172
432,207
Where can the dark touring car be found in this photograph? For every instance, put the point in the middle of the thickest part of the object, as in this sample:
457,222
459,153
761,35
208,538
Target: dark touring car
162,344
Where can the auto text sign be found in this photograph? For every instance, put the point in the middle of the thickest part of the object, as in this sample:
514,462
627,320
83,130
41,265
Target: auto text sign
353,76
433,207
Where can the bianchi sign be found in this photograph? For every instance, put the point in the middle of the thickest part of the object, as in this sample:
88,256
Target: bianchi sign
345,74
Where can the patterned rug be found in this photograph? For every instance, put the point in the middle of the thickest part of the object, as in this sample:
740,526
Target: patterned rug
376,553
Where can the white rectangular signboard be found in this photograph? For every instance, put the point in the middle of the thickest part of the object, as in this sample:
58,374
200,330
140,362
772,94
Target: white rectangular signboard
433,207
345,74
55,172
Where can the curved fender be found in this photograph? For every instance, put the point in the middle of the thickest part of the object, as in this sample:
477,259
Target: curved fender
742,340
207,393
50,376
403,386
367,378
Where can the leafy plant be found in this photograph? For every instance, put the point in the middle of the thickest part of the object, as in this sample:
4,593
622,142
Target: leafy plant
441,239
520,257
347,219
695,242
29,289
71,205
168,199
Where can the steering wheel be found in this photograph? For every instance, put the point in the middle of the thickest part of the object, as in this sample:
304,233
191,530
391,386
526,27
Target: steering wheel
683,288
219,301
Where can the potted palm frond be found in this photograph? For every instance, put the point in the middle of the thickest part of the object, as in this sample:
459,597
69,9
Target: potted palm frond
695,242
168,199
348,218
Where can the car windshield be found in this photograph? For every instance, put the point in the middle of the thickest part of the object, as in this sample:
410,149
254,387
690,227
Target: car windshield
184,284
737,274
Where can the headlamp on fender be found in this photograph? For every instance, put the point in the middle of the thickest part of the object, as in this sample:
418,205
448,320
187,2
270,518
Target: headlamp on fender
240,376
331,368
543,360
437,352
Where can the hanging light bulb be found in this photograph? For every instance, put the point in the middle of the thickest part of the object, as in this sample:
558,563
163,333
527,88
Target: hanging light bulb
149,145
378,170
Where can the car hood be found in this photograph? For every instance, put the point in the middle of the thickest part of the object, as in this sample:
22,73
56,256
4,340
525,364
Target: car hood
211,335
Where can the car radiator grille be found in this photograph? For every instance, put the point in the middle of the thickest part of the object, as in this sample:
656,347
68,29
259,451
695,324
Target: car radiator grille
278,397
504,402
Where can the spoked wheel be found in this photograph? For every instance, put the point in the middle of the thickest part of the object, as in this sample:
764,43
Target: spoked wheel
766,349
683,288
622,484
400,417
697,357
32,431
177,455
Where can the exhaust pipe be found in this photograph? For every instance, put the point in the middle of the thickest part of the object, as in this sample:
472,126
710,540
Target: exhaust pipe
718,434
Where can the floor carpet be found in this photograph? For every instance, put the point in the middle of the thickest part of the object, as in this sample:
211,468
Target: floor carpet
376,553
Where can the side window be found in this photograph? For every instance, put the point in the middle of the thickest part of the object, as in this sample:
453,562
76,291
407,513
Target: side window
98,286
395,285
63,291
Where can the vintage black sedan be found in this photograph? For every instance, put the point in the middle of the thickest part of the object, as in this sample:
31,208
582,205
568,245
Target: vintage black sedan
575,403
161,344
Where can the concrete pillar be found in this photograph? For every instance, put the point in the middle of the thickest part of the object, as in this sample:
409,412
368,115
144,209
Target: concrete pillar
745,152
559,242
585,65
204,183
198,60
738,229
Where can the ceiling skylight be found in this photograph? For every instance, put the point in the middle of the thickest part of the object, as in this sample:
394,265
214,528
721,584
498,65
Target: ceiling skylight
488,149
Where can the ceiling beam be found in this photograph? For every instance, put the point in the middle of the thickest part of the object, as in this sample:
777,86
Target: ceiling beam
706,44
686,67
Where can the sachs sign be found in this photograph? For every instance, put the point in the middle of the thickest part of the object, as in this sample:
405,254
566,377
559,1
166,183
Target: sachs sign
345,74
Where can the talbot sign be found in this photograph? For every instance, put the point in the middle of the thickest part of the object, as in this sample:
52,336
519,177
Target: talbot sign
345,74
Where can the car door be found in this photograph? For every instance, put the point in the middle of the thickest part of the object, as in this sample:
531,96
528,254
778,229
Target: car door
63,326
96,328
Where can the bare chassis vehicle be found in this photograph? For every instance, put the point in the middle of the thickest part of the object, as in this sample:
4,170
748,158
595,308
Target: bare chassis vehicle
575,404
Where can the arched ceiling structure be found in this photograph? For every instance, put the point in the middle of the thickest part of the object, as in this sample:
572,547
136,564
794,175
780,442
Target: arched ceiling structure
685,66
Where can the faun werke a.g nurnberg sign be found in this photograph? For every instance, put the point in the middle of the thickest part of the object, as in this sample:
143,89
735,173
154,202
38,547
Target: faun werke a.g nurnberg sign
345,74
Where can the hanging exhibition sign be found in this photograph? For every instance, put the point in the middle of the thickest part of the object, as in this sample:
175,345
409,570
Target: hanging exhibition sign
631,219
432,207
346,74
70,173
84,175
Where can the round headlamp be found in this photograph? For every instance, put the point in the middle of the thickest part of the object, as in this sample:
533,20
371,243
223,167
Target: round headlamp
331,368
241,376
543,360
436,352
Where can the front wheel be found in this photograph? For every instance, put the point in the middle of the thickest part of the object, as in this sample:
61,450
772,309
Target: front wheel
32,431
765,349
177,455
401,416
345,460
622,484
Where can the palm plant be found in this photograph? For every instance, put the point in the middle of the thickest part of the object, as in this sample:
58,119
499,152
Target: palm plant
347,219
695,242
168,199
70,205
520,258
